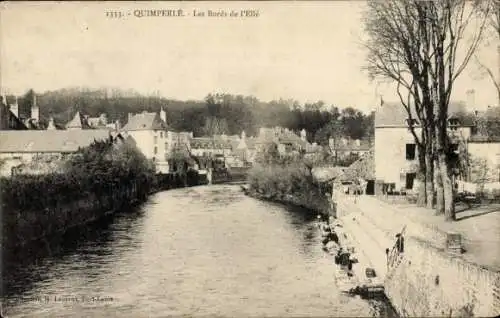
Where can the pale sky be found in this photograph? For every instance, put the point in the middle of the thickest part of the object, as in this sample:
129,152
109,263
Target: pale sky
307,51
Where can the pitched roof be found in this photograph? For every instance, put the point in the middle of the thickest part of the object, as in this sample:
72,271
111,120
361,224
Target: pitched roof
77,122
30,141
324,174
145,121
395,115
363,168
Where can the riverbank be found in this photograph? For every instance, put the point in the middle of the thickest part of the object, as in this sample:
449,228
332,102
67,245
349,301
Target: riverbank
179,255
426,280
22,227
290,183
316,206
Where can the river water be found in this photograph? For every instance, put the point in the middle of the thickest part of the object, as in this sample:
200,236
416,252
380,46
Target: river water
201,251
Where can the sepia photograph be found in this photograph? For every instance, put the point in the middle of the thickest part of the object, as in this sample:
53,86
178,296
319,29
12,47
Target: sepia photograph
250,158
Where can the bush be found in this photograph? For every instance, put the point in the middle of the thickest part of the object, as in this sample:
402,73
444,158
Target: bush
99,169
290,182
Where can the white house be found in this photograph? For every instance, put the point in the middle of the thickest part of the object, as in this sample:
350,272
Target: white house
396,154
151,134
149,131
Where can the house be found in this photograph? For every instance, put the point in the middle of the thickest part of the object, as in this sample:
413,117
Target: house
487,148
396,154
313,151
44,148
342,148
362,172
286,141
210,146
102,122
149,131
244,150
78,122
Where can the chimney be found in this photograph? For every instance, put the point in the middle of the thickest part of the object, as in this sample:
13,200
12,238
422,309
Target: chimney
35,111
163,115
303,134
117,125
129,116
471,103
243,135
358,142
103,118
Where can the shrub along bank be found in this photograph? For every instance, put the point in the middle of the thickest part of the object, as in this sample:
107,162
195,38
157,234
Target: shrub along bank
96,180
289,182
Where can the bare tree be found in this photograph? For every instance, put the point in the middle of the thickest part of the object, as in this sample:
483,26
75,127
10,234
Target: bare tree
415,43
491,10
399,50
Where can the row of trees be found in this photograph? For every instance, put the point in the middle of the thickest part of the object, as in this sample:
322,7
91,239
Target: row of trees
423,46
217,114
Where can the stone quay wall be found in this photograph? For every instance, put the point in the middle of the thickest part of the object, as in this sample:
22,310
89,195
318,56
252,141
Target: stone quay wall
428,281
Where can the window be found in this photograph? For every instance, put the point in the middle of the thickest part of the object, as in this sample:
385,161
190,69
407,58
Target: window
410,151
161,134
156,150
166,146
453,123
410,178
156,139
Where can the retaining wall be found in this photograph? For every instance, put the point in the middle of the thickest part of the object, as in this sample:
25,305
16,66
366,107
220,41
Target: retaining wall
429,282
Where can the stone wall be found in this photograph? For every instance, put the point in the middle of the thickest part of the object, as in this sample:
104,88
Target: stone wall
429,282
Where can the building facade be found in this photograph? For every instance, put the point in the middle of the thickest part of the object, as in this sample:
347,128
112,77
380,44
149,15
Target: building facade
149,132
395,150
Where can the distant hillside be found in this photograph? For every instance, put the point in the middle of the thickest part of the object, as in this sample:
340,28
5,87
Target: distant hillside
220,113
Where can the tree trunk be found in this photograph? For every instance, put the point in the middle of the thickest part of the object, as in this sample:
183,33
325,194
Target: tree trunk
429,176
422,192
422,198
448,189
438,183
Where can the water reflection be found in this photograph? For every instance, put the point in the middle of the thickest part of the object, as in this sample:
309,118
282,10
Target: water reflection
196,251
22,268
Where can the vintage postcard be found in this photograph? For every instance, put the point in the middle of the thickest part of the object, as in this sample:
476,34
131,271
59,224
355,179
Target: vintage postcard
250,158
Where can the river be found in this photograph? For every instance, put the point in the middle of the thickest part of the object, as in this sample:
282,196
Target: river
197,251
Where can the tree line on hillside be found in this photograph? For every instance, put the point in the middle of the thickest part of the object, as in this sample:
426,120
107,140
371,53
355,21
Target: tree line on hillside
217,114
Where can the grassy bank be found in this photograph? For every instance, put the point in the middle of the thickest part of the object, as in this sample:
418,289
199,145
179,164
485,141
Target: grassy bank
290,183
